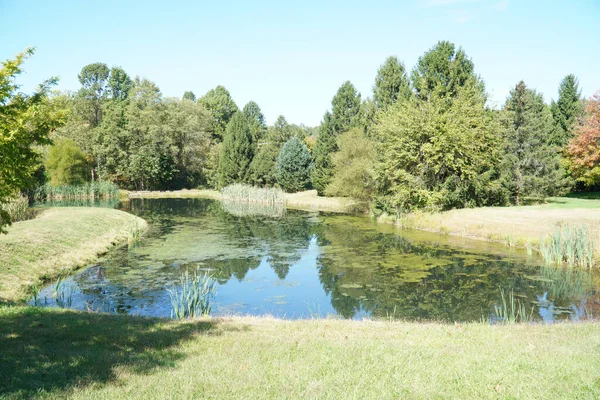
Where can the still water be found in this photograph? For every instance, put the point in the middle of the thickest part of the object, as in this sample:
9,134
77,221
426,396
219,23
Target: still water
298,264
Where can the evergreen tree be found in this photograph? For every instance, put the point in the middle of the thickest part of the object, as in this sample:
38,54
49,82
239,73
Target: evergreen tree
256,119
566,110
391,83
344,115
189,95
293,166
442,70
531,165
237,152
221,106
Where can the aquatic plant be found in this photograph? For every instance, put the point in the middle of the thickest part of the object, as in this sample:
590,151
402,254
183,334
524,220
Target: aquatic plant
17,208
566,282
251,194
135,234
241,209
511,310
90,190
63,293
570,245
35,295
194,295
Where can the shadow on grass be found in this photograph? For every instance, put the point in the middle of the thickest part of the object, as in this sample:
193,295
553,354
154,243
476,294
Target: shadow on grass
53,350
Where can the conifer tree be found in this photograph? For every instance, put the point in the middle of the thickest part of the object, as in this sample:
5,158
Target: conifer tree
237,152
293,166
566,110
391,83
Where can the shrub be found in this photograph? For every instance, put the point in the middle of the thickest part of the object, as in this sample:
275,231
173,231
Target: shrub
66,163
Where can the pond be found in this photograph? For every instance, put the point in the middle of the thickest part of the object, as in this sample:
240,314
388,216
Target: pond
298,264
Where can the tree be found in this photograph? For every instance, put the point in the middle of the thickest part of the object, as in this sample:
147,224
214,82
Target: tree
584,148
189,95
93,79
293,166
344,115
437,157
25,121
237,152
262,168
119,84
566,110
391,83
256,119
531,164
221,106
353,167
66,163
443,70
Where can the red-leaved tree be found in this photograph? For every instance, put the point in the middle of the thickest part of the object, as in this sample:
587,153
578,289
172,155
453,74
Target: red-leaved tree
584,148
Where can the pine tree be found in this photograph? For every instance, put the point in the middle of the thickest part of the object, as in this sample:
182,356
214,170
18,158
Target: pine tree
256,119
237,152
391,83
344,115
566,110
293,166
531,164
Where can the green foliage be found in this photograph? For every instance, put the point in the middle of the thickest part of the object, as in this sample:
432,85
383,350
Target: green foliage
293,166
189,95
221,106
66,163
391,83
91,190
434,156
262,168
194,296
566,110
93,79
237,152
119,84
531,165
511,310
256,120
442,71
344,115
25,121
353,167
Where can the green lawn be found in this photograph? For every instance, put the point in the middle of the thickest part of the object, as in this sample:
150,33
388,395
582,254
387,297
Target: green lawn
58,239
56,354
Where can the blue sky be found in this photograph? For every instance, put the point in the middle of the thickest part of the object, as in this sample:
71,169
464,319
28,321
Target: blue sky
290,57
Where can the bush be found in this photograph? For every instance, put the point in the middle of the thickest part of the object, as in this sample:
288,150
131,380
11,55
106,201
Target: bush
66,163
293,166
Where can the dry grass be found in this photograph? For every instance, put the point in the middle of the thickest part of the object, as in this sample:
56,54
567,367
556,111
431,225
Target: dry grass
58,239
120,357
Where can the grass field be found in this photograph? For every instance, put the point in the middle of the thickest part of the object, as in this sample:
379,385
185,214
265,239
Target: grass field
51,353
58,239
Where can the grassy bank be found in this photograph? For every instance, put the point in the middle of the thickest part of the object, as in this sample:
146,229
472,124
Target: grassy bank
117,357
514,226
307,200
58,239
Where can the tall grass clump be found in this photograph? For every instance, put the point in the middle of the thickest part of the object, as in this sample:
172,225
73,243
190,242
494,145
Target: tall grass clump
63,293
570,245
241,209
17,208
135,234
90,190
193,297
250,194
511,310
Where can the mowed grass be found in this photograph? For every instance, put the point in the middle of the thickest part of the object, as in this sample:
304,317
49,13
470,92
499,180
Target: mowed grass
53,353
516,226
57,240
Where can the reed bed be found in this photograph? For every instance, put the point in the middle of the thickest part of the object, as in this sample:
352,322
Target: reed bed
250,194
511,310
91,190
570,245
18,208
241,209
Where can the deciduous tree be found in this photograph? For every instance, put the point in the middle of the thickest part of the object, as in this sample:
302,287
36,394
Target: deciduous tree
584,148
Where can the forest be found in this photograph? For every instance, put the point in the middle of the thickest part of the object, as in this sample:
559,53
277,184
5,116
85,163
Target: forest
426,138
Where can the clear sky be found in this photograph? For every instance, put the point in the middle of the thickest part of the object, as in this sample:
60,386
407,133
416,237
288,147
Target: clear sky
290,57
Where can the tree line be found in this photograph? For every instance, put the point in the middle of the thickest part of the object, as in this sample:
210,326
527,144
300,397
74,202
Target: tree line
426,138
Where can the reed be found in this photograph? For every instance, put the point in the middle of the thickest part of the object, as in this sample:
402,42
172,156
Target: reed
250,194
17,208
570,245
241,209
63,293
511,310
194,296
91,190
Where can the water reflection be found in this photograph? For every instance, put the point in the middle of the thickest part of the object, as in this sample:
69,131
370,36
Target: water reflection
293,263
